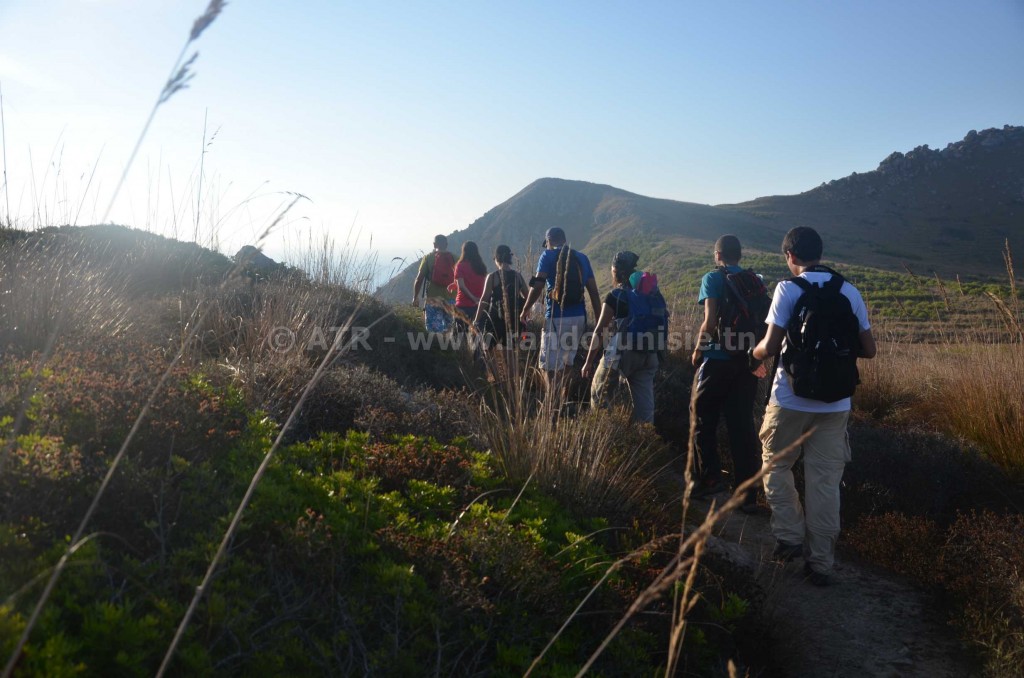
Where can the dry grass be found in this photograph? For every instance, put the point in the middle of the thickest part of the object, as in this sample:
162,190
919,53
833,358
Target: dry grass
597,463
967,384
49,287
968,390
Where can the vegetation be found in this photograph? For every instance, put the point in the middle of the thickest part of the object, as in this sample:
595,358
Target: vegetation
424,539
399,527
938,494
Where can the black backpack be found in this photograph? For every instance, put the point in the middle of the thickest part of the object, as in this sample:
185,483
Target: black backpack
569,283
822,342
744,307
505,295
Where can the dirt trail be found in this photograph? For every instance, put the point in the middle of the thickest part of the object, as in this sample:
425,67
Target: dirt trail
866,624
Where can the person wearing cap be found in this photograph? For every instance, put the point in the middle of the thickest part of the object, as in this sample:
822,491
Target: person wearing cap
563,327
436,273
635,366
724,385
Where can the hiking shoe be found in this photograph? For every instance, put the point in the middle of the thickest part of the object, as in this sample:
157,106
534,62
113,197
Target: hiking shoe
786,552
816,578
705,489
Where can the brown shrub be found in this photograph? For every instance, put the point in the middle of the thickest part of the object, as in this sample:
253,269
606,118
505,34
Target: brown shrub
398,462
983,561
905,544
978,561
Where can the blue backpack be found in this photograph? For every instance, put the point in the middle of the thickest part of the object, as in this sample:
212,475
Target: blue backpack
646,327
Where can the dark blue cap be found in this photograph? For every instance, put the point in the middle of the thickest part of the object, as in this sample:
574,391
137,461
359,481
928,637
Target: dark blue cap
555,236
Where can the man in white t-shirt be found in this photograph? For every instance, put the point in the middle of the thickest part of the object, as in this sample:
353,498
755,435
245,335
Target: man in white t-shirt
826,450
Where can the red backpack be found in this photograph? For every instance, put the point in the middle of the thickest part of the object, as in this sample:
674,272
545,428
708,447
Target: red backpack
443,273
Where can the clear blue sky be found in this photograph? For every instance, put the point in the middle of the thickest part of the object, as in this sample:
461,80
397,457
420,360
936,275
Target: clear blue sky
410,118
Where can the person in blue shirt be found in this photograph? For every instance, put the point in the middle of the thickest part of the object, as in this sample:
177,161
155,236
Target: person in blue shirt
724,385
563,327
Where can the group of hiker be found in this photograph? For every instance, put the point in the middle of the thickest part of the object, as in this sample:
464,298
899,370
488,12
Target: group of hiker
632,320
815,326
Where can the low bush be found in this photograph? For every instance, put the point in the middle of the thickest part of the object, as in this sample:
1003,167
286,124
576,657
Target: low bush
919,473
351,559
358,397
77,417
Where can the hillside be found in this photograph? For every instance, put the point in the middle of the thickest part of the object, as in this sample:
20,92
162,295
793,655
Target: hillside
598,219
947,211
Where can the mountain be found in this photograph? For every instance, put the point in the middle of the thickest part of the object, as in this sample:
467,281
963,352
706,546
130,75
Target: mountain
597,219
943,211
948,210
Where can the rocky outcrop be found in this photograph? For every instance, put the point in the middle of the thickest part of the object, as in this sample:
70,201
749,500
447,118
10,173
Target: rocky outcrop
251,259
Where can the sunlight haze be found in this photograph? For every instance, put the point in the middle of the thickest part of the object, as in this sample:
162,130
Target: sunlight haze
401,120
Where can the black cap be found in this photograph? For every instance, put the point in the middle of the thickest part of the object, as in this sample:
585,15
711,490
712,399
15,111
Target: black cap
625,262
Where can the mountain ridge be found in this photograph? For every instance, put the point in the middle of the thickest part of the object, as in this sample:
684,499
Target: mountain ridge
946,211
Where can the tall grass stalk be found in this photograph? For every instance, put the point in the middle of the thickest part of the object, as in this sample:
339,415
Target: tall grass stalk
3,138
199,188
179,78
88,184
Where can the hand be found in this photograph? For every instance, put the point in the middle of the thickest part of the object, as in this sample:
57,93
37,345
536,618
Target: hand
696,357
415,302
524,317
761,372
754,364
588,369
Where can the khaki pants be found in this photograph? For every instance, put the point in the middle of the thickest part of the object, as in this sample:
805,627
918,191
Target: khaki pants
826,452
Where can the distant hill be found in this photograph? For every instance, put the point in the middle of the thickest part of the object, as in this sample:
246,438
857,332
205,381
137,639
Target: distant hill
946,211
597,219
949,211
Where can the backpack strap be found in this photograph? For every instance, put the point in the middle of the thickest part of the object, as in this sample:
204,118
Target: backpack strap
834,284
821,268
737,295
802,283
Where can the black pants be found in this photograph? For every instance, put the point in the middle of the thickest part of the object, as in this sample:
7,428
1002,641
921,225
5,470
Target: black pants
726,387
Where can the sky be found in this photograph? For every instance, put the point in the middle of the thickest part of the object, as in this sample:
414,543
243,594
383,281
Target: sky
399,120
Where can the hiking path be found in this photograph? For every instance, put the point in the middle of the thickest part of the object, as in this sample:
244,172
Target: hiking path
867,622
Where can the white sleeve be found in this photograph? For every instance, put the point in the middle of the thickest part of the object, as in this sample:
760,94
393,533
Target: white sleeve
860,309
782,305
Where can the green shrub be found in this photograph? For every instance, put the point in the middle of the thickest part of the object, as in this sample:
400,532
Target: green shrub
355,556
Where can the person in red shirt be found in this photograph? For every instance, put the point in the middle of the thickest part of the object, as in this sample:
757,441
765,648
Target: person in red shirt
437,272
470,274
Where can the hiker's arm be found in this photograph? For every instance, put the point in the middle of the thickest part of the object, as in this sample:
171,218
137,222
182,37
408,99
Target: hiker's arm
521,288
772,343
868,348
536,289
420,278
485,299
595,296
597,339
706,330
465,290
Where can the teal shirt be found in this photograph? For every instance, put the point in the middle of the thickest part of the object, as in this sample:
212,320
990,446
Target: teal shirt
712,286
